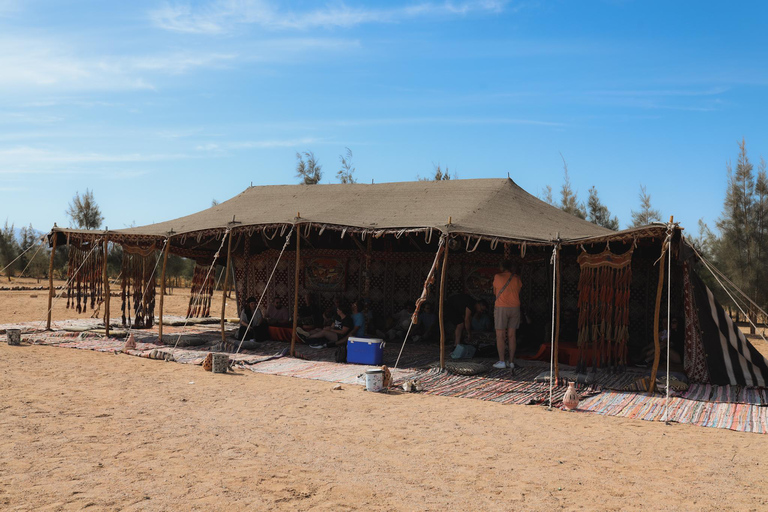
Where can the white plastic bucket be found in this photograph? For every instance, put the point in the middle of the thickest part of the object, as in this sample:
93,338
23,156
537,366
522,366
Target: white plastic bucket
374,380
14,336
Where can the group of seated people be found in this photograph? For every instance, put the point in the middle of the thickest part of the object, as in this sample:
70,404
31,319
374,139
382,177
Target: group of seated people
339,322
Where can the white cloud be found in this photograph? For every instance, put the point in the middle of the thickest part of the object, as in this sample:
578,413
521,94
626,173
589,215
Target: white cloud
50,64
258,144
25,155
221,16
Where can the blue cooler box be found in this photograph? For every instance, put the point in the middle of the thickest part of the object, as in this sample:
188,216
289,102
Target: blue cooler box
365,351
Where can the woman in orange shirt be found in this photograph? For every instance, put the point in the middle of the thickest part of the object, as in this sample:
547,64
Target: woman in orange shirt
506,311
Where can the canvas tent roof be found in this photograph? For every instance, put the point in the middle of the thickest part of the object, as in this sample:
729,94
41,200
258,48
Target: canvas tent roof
486,207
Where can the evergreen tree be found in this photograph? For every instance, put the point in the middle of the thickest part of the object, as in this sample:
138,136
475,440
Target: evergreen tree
9,249
741,251
347,171
439,174
308,171
646,214
569,200
597,212
84,211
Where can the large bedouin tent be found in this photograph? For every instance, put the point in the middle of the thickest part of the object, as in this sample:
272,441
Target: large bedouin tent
596,295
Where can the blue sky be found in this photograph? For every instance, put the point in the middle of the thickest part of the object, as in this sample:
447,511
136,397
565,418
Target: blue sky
160,107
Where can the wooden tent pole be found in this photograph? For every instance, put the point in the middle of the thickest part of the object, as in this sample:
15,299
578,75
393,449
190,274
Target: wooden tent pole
162,286
367,281
442,303
50,283
224,291
296,290
656,352
558,279
105,246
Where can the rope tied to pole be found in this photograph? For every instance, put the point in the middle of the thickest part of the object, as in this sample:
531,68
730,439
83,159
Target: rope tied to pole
423,298
200,292
88,255
146,288
715,273
266,287
553,261
668,241
22,254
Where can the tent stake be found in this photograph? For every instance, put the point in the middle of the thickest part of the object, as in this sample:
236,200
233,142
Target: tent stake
162,288
50,283
442,301
656,353
224,291
296,294
105,245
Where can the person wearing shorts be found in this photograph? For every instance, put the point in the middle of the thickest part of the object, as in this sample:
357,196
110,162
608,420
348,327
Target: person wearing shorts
506,312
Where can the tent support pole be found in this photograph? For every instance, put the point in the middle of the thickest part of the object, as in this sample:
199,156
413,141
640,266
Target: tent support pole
296,294
558,279
368,256
442,303
105,246
162,288
224,291
50,283
656,352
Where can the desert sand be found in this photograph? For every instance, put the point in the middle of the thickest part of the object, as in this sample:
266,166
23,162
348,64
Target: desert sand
86,430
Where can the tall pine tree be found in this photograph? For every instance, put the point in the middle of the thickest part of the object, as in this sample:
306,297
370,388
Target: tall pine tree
741,250
598,213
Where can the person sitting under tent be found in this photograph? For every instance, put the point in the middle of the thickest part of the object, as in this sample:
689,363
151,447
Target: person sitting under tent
481,320
310,315
333,335
398,324
358,320
253,328
276,313
676,345
427,323
459,309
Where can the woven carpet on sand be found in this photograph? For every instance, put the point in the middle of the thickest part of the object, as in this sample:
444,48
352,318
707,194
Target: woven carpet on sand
324,370
726,394
498,386
733,416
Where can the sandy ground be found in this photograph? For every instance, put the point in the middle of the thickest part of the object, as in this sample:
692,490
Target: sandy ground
82,429
25,306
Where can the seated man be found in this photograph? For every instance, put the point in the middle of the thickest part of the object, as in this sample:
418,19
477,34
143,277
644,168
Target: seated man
332,335
459,309
253,328
276,313
400,322
676,345
310,316
427,322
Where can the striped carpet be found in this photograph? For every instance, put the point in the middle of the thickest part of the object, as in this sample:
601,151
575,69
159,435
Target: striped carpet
498,386
726,394
733,416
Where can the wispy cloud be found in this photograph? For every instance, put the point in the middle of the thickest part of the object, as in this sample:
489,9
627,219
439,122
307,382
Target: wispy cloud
221,16
444,120
25,155
54,65
258,144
